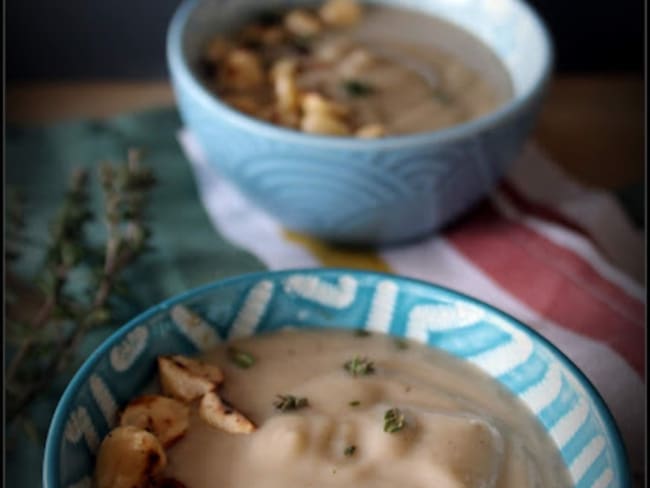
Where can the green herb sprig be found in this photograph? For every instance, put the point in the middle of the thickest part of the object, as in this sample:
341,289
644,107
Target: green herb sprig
357,88
242,359
359,366
44,344
350,450
394,420
286,403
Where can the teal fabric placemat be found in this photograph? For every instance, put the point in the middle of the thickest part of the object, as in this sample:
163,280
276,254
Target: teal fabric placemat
187,250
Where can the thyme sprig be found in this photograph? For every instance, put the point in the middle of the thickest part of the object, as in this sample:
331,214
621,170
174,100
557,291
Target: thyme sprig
394,420
286,403
350,450
359,366
240,358
46,342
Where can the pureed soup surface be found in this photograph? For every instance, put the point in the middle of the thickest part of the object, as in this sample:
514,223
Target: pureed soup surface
452,427
389,72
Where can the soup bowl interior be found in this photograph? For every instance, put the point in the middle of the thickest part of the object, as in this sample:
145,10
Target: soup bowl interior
561,398
509,28
368,191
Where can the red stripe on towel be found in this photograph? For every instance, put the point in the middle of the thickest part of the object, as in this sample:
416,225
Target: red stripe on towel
556,282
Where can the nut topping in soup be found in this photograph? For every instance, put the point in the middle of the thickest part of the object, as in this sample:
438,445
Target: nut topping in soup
324,409
351,70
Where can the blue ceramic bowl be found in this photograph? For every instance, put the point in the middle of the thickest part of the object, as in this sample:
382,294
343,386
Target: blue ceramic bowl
563,400
365,191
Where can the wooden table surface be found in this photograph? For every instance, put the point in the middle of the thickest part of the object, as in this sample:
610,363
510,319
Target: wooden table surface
592,126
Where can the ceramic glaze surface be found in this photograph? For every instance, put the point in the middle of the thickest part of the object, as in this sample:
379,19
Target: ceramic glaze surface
366,191
555,391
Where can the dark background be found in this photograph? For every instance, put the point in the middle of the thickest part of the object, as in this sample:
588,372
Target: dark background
90,39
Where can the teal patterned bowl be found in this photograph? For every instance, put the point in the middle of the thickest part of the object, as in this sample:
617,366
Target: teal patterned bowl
362,191
563,400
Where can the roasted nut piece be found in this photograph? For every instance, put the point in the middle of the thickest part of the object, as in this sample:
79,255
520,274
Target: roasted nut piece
324,124
272,35
129,457
164,417
283,75
242,70
217,49
323,116
370,131
187,379
302,23
356,62
217,414
332,50
341,13
314,103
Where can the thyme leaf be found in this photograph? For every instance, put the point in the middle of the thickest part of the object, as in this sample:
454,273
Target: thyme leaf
240,358
357,88
285,403
359,366
394,420
350,450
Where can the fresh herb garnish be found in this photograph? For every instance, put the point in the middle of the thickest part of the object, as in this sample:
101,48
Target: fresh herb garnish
361,333
350,450
354,403
356,88
359,366
394,420
286,403
81,279
242,359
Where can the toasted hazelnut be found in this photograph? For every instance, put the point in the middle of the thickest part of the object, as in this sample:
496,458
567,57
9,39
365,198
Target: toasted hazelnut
302,23
221,416
332,50
242,70
371,131
129,457
187,379
272,35
217,49
356,62
313,103
166,418
283,75
341,13
324,124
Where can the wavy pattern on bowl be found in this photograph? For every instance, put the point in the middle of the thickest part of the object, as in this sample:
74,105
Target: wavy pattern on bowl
554,390
366,191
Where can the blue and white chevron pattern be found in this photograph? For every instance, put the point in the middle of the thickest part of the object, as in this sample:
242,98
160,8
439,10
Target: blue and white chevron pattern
544,380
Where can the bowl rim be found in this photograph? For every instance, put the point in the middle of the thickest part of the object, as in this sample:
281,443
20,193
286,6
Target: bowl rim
51,457
180,69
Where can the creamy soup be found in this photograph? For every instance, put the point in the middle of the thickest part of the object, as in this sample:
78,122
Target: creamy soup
451,426
348,70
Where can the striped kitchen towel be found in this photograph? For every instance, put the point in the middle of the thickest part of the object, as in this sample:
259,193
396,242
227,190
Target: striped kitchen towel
560,257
